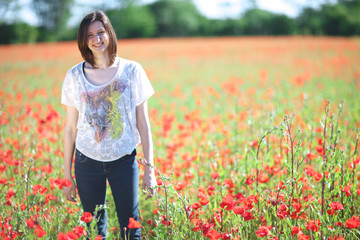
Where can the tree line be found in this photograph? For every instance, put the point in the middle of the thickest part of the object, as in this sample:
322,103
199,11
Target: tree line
181,18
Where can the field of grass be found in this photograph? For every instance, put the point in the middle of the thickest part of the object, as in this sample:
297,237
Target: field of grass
254,137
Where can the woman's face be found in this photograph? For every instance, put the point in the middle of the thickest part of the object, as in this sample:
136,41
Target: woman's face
98,39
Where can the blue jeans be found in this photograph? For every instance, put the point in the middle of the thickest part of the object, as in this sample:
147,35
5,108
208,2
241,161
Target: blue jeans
123,177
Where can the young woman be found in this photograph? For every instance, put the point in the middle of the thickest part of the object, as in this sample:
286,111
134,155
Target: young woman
106,118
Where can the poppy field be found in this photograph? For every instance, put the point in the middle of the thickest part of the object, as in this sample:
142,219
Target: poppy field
254,138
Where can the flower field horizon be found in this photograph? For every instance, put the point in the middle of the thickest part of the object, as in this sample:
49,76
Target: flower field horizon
254,138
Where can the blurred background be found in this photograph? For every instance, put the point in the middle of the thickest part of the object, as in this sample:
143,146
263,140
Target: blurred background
26,21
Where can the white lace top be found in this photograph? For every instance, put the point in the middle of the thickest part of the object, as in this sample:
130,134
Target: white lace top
107,117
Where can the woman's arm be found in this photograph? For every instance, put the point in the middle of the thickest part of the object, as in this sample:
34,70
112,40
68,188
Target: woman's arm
70,132
143,126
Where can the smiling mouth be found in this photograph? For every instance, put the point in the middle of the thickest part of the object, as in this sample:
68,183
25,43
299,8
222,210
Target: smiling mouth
98,45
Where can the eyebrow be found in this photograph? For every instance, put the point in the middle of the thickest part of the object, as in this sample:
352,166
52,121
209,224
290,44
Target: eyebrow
101,29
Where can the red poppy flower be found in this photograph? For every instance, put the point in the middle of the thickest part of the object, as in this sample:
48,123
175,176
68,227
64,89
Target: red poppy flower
213,234
339,224
311,225
302,236
66,182
239,210
228,202
248,216
133,223
317,176
3,180
295,230
73,236
352,222
347,190
79,230
312,156
297,207
86,217
225,236
263,231
30,223
336,206
39,232
214,175
62,236
98,237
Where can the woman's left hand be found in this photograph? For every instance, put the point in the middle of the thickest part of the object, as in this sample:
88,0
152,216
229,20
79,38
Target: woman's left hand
149,182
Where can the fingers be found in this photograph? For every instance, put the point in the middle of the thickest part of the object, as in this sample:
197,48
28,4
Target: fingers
143,186
69,194
74,192
150,192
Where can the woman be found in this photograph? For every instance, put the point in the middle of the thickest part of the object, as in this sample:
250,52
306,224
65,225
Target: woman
106,118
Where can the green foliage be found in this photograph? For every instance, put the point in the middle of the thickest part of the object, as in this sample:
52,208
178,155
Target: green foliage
310,22
178,18
52,14
341,19
17,33
175,18
133,22
261,22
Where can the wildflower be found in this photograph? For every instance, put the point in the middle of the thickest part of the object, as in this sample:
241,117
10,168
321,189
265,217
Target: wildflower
339,224
295,230
30,223
297,207
336,206
347,191
263,231
39,189
71,235
39,232
225,236
79,230
249,180
213,234
352,222
239,210
98,237
317,176
3,181
302,236
312,156
62,236
86,217
228,202
10,194
254,144
206,228
214,175
65,183
133,223
248,216
311,225
165,221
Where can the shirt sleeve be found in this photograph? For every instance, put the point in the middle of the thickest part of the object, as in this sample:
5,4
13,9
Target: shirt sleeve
67,92
143,88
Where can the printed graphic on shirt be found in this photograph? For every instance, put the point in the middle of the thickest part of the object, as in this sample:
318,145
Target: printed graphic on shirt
102,111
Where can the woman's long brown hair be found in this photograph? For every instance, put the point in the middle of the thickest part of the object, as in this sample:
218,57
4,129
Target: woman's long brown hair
83,38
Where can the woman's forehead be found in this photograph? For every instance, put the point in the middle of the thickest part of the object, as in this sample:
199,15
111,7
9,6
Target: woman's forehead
95,26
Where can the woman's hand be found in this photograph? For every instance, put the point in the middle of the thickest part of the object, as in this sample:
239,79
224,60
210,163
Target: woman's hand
70,192
149,182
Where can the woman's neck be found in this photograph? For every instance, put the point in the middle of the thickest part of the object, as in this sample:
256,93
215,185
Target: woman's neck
101,61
